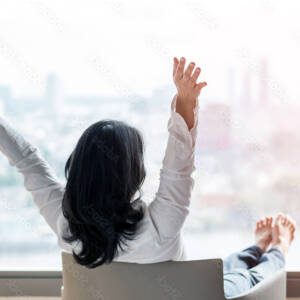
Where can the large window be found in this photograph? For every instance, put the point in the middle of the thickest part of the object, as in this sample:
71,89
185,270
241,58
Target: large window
66,64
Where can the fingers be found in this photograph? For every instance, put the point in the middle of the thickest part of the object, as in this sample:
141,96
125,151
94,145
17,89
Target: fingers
185,79
188,71
200,86
188,74
180,69
175,65
196,74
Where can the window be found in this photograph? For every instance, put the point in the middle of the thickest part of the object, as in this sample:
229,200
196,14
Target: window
66,64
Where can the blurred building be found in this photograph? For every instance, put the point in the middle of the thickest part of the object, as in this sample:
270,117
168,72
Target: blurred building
6,99
214,128
53,93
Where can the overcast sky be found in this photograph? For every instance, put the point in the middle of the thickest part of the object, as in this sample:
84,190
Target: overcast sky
114,47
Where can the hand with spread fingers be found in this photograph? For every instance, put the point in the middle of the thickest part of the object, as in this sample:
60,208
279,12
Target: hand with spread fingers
188,90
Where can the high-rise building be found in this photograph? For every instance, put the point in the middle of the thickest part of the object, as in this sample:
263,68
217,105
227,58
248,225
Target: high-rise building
53,95
247,91
214,127
6,99
263,84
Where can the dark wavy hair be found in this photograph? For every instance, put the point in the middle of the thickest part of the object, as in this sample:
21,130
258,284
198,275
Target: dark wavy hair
102,203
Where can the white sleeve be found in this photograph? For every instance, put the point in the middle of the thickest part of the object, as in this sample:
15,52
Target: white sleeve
169,209
39,179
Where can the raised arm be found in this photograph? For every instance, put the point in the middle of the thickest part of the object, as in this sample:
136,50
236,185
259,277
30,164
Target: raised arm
38,177
169,209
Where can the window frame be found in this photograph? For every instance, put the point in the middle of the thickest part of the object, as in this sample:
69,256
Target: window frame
49,283
293,284
30,283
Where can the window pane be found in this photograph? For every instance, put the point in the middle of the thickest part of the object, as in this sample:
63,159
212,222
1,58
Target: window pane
66,64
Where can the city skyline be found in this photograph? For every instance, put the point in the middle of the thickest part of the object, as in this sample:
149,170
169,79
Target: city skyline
246,158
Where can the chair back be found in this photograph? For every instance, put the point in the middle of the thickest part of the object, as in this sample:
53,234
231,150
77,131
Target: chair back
272,288
192,280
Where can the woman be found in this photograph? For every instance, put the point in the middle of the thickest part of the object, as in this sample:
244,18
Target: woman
99,216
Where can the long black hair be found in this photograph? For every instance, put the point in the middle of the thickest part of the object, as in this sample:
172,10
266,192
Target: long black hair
102,203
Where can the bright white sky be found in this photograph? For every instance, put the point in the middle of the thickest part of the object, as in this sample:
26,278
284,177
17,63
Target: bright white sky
109,46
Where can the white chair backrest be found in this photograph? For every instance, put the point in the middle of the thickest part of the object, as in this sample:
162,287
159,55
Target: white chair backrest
193,280
273,288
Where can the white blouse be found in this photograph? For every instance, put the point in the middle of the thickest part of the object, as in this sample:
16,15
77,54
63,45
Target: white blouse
159,235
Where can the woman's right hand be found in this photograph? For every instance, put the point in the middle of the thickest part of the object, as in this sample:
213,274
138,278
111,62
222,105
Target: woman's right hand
188,90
